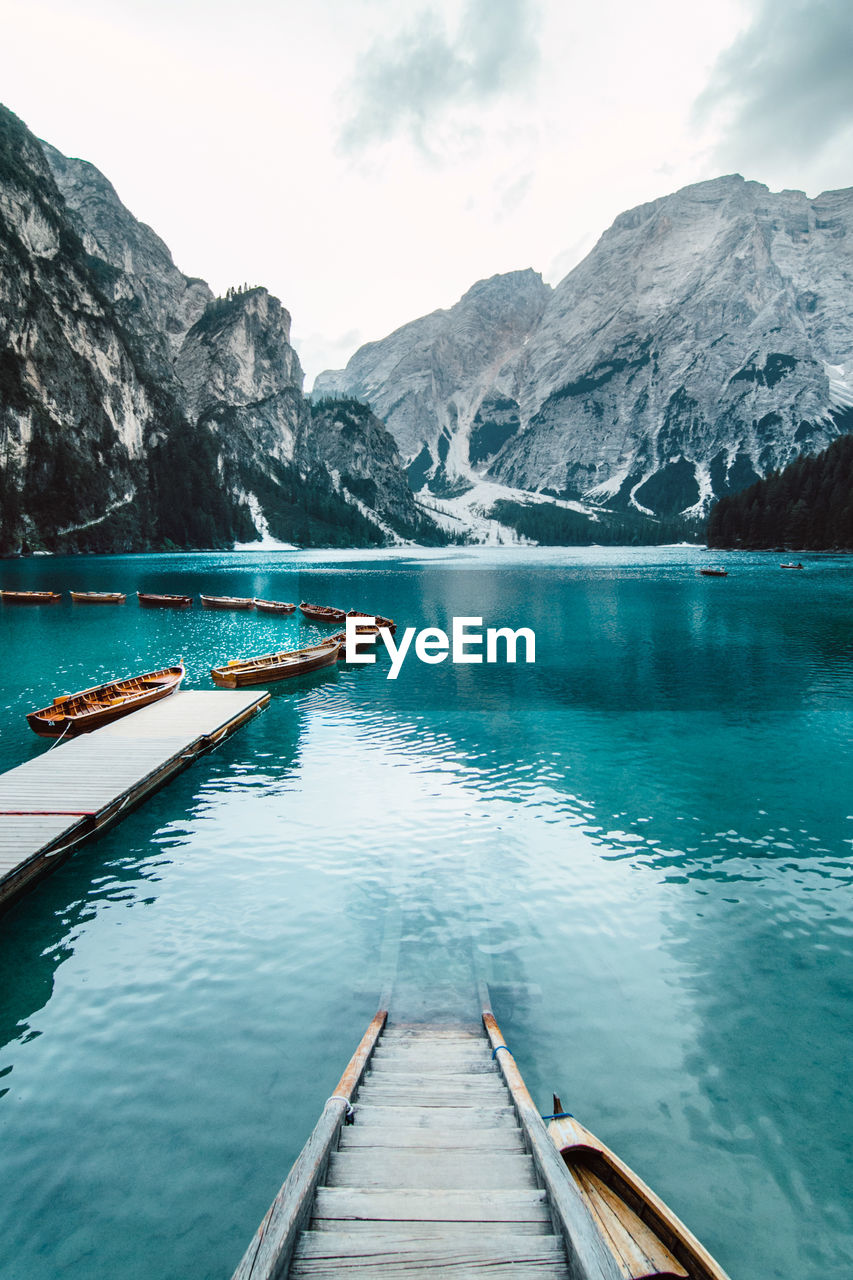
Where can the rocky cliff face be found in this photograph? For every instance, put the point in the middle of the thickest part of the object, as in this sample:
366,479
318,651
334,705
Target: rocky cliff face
135,408
74,408
441,381
706,339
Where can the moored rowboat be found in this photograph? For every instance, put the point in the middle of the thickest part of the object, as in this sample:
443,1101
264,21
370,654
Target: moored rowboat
149,601
227,602
275,666
714,573
30,597
634,1221
74,713
322,613
790,566
388,623
98,597
273,606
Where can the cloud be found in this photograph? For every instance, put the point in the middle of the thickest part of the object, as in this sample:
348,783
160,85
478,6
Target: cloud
403,85
785,86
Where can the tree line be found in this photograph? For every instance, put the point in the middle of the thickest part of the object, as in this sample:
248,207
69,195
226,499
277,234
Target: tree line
808,505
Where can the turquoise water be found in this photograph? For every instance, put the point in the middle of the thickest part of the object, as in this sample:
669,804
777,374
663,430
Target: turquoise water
643,841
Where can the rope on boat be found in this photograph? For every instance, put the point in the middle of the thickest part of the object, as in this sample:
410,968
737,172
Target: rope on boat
560,1115
498,1048
61,736
349,1115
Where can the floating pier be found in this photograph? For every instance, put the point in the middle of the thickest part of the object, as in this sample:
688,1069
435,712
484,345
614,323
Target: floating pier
447,1170
52,804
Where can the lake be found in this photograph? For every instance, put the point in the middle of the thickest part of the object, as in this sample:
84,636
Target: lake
643,841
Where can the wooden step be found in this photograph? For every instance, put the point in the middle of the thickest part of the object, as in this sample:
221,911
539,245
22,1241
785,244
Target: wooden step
408,1230
373,1115
374,1205
446,1137
326,1253
436,1170
429,1031
333,1269
420,1064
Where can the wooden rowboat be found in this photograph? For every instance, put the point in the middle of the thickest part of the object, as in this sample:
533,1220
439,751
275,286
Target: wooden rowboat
643,1233
714,573
149,601
790,566
388,623
275,666
322,613
227,602
98,597
273,606
30,597
74,713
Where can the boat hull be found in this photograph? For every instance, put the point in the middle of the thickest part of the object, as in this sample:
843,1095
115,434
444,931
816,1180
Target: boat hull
632,1213
323,613
263,670
30,597
226,602
91,709
98,597
163,602
274,606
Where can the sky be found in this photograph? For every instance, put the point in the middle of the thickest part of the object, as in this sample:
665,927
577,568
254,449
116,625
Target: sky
369,161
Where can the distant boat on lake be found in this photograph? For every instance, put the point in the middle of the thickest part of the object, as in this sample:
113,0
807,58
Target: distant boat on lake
790,566
30,597
98,597
227,602
149,601
714,573
275,666
322,613
273,606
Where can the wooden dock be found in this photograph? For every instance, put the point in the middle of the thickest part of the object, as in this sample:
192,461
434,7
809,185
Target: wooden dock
53,803
447,1169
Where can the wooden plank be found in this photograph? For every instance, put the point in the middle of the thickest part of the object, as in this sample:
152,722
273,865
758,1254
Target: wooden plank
636,1247
456,1138
589,1257
356,1251
343,1203
415,1117
492,1244
406,1230
268,1255
318,1269
436,1098
451,1170
425,1066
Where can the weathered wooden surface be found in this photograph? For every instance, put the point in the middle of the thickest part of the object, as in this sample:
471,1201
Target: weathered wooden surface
636,1247
53,802
434,1176
617,1195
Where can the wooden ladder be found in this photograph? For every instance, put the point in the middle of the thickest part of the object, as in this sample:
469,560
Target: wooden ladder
447,1170
433,1176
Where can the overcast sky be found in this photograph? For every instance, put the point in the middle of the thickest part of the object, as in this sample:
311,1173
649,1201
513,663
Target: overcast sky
368,161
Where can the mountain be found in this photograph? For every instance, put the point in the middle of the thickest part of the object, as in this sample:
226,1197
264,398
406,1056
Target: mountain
137,410
705,340
808,505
